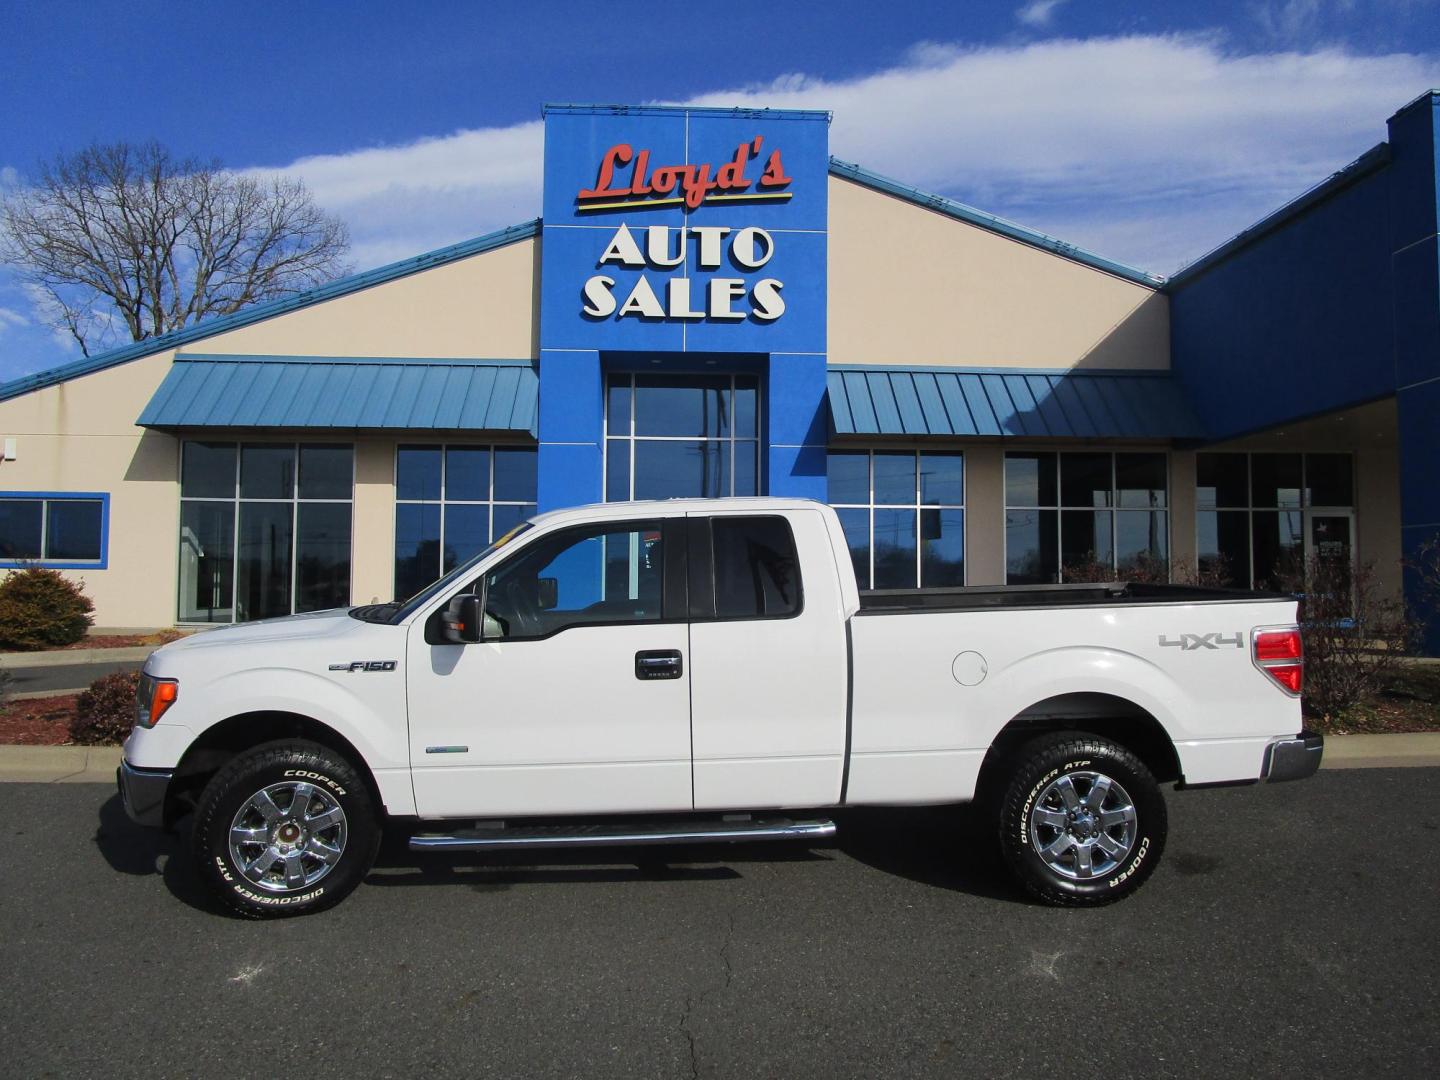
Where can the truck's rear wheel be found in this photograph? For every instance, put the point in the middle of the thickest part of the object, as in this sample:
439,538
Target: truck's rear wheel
1082,820
285,829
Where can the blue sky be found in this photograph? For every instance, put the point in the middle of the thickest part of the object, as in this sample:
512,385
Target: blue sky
1148,132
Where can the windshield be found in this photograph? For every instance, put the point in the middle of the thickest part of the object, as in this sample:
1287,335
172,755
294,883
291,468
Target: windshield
396,612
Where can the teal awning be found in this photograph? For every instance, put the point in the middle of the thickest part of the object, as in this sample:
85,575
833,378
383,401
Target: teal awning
1058,404
345,393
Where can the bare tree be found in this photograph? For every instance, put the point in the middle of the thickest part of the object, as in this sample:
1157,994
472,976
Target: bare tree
124,235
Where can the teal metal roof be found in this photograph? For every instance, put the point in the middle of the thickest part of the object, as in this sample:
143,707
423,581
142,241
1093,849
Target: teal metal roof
1010,229
258,312
344,393
1007,402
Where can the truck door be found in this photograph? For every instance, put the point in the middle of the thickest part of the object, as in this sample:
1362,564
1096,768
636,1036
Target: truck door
578,701
768,661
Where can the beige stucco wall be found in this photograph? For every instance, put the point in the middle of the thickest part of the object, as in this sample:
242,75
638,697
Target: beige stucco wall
484,306
1183,541
984,515
910,285
81,436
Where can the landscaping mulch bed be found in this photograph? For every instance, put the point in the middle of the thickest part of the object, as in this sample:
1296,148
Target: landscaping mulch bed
1409,702
112,641
38,722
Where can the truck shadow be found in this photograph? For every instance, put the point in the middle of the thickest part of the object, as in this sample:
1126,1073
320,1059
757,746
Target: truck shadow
129,849
944,847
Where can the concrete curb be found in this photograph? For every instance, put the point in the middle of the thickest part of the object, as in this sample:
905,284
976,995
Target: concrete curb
59,764
1421,748
36,695
97,764
72,657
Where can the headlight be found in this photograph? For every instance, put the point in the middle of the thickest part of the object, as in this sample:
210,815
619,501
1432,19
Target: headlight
152,697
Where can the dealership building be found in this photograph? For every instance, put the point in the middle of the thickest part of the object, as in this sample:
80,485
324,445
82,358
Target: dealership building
713,305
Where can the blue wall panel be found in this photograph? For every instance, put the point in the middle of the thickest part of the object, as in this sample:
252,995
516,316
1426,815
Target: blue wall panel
797,472
1335,302
571,430
1417,329
1419,408
1295,324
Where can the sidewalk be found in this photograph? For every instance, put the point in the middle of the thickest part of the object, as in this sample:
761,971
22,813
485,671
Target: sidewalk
75,657
97,764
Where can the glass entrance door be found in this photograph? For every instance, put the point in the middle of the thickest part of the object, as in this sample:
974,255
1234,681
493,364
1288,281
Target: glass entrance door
1330,547
1330,535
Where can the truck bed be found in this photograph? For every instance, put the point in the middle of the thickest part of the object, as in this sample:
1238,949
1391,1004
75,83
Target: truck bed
980,597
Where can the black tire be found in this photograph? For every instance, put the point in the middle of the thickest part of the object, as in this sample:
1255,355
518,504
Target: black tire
280,768
1035,799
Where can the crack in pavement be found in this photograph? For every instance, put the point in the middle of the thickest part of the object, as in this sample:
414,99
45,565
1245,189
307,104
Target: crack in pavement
692,1002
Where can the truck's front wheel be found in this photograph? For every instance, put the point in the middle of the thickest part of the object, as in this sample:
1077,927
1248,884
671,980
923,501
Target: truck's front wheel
1082,821
287,828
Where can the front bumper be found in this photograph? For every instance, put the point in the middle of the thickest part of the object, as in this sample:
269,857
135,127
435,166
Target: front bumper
143,793
1293,759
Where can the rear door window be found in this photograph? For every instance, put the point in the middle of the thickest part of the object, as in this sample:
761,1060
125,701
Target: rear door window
757,572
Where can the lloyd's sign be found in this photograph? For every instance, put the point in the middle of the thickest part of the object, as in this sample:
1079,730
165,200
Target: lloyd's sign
670,255
684,229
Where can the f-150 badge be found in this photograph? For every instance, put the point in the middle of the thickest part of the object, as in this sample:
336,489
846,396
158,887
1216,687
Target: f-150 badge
365,665
1191,642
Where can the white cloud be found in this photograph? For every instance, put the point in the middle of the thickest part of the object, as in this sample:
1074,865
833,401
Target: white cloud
1296,20
1038,13
9,318
1150,148
403,200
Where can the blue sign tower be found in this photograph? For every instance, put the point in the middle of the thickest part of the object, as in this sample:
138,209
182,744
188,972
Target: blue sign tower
683,253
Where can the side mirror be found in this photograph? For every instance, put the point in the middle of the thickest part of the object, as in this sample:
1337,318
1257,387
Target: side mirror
461,622
548,593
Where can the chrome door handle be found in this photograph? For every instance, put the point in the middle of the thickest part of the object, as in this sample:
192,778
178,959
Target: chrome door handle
659,664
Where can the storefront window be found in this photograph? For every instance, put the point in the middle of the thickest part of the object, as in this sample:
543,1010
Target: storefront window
903,512
52,529
265,529
1085,517
678,436
1253,512
452,502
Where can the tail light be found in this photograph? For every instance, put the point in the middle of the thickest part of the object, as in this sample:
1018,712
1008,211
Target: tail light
1280,654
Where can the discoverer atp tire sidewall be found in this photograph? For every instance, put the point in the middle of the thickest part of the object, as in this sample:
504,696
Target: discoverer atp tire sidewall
248,773
1037,765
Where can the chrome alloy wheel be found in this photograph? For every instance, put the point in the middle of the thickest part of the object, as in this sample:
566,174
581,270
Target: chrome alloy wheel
287,836
1083,825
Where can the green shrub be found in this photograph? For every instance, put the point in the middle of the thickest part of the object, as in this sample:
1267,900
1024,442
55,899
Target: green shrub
105,713
40,609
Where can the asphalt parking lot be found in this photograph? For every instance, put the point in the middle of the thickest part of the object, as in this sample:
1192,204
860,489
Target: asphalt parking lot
1290,931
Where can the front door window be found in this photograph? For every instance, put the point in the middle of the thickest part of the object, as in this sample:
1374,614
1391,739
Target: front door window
681,436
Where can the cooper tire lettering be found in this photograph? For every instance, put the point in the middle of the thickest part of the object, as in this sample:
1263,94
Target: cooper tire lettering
1036,766
233,787
305,774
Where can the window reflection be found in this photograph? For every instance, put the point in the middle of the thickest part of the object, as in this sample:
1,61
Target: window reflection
451,502
681,436
265,529
903,515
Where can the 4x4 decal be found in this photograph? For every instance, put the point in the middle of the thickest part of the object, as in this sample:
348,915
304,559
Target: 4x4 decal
1191,642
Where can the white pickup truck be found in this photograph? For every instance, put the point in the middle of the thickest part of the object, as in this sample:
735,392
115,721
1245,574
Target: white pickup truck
697,671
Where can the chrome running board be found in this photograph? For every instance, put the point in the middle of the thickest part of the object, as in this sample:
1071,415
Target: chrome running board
522,837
